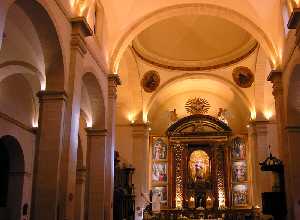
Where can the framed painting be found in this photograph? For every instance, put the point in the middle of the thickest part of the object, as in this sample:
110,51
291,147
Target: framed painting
159,149
239,171
159,172
239,149
240,195
162,192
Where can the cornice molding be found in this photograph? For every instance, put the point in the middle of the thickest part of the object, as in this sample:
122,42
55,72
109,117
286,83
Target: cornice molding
194,68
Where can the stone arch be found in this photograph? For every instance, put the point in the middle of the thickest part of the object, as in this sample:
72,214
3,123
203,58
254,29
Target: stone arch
93,87
49,40
13,177
197,9
228,83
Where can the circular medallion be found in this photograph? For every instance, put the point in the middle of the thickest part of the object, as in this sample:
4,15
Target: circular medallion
150,81
243,77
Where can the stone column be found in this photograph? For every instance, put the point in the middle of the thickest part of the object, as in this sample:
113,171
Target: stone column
140,135
80,193
46,186
96,161
80,30
276,78
113,82
293,189
258,148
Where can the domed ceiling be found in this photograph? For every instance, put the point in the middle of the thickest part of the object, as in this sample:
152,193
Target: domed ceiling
193,42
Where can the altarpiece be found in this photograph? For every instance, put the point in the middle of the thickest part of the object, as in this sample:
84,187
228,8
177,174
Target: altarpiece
200,164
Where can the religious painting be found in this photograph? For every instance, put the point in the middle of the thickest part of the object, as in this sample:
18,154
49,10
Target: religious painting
150,81
162,192
243,76
199,166
159,149
159,172
239,171
239,149
240,195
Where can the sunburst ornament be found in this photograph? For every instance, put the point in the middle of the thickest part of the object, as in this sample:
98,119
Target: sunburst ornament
197,106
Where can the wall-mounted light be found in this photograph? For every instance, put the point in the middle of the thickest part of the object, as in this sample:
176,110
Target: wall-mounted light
131,117
35,124
89,123
253,114
268,114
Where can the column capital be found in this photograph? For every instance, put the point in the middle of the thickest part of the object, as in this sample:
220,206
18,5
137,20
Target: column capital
275,77
52,95
96,132
113,82
140,129
114,79
80,30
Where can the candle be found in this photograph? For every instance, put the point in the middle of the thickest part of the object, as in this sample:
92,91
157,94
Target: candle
192,202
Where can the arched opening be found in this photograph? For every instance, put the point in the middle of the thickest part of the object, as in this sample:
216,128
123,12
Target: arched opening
12,178
30,29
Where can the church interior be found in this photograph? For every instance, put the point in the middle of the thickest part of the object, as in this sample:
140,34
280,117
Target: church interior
137,109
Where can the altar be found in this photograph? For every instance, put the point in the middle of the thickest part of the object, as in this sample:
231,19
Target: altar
200,166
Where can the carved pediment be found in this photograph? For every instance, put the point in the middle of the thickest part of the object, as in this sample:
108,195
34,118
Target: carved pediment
198,125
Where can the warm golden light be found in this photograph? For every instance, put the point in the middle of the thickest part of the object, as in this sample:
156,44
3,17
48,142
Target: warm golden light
80,7
89,122
253,114
145,117
34,123
131,117
268,114
221,195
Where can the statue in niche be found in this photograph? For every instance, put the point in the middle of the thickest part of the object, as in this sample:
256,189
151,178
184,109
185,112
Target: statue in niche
224,115
199,166
172,117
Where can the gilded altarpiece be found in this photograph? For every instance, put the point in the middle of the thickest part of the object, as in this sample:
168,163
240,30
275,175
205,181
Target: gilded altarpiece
200,165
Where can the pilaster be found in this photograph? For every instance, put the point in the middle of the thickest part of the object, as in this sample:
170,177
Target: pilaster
275,77
140,135
80,30
258,147
113,82
46,202
96,161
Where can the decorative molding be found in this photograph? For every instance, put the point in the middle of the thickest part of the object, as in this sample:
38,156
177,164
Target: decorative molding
195,68
96,132
113,82
52,95
206,120
197,106
17,123
80,25
275,77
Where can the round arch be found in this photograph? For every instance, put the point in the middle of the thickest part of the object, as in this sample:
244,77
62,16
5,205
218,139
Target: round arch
196,9
168,83
96,97
13,176
49,38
